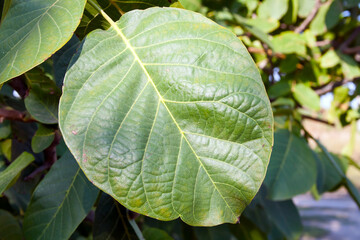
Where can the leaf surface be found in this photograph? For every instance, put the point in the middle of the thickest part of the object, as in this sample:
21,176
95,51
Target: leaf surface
9,227
42,139
60,202
33,30
170,118
292,168
10,173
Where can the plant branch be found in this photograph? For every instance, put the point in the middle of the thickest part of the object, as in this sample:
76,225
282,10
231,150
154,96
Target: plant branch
309,18
117,7
332,85
12,114
350,39
317,120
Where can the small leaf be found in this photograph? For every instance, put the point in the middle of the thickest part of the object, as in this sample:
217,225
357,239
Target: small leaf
43,99
170,121
349,66
292,168
33,30
5,129
9,227
329,59
305,7
60,202
263,24
193,5
327,17
289,42
5,147
111,221
274,9
306,96
10,173
280,89
42,139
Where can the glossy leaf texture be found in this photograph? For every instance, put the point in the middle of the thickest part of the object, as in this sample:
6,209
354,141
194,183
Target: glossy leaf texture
167,113
10,173
292,168
33,30
60,202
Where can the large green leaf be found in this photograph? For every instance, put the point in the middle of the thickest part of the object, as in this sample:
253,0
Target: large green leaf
167,113
60,202
33,30
292,168
10,173
9,227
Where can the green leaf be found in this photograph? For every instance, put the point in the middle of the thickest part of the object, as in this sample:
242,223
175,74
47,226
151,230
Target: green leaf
9,227
353,191
329,59
280,89
193,133
5,147
263,24
246,230
305,7
274,9
289,42
10,173
306,96
156,234
289,64
43,99
193,5
328,178
285,217
291,15
42,139
61,59
5,129
327,17
60,202
292,168
349,66
111,221
259,34
33,30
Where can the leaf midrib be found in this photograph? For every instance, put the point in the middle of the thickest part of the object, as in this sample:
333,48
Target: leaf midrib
131,48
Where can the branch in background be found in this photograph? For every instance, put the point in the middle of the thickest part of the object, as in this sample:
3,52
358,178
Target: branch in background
50,157
12,114
345,45
309,18
317,120
19,85
117,7
332,85
351,50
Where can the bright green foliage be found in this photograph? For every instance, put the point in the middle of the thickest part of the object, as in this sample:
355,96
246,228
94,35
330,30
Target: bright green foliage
292,168
192,127
9,227
60,202
274,9
12,171
42,139
306,96
289,42
327,17
33,30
